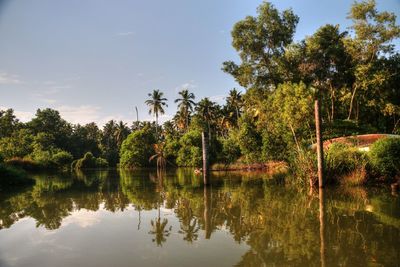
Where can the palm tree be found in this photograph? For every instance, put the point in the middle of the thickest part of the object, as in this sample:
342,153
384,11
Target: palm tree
121,132
160,230
235,102
186,104
208,112
156,104
179,120
160,156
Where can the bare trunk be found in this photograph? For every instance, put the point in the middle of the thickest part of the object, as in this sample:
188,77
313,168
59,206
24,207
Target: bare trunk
206,168
351,102
322,227
295,138
332,103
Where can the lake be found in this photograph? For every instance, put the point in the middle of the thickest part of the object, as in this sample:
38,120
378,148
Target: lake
141,218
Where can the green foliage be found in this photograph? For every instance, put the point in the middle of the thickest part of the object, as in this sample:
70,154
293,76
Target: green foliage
62,159
230,151
190,152
249,140
24,163
342,159
89,162
384,157
260,42
137,149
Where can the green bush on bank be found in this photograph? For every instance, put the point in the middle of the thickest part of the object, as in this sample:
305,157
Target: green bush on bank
137,148
384,157
345,164
89,162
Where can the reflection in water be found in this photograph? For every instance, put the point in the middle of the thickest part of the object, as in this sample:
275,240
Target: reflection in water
267,224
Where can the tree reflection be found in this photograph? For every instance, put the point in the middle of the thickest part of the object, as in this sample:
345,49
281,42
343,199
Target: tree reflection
281,225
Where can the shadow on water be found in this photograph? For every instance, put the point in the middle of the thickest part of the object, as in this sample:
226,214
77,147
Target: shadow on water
279,225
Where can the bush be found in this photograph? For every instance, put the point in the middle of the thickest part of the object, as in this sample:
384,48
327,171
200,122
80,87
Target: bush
190,152
88,161
384,157
137,148
346,164
62,159
24,163
10,176
230,151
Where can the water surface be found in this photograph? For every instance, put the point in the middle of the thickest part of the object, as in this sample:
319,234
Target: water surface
112,218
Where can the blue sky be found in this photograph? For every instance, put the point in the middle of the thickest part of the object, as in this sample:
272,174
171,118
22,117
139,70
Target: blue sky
95,60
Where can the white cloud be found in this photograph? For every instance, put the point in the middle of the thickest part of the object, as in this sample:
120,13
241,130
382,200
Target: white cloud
125,33
188,85
220,99
82,218
23,116
80,114
6,78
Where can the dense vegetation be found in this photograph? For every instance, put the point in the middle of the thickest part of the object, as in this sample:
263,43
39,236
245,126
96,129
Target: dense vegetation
355,75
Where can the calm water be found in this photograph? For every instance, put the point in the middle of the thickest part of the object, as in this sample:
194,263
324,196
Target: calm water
112,218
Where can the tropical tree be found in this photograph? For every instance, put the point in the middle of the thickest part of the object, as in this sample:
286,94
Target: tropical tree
121,132
209,112
160,156
374,33
185,105
156,104
233,107
261,42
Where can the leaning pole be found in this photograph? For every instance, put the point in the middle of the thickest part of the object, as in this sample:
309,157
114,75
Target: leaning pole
206,167
320,149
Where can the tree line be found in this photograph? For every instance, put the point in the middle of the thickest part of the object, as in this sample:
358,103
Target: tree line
354,74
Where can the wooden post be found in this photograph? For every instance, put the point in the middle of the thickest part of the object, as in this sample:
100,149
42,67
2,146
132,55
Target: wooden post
320,149
322,227
207,211
206,167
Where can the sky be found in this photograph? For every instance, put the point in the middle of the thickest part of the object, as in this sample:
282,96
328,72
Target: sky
95,60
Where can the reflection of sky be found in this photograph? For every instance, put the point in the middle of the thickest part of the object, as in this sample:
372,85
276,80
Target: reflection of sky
102,238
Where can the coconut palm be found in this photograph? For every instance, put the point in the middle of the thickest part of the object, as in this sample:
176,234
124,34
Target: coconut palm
121,132
235,102
160,156
208,112
186,104
156,104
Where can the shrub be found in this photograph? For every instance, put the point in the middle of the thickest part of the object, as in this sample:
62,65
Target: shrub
88,161
190,152
24,163
384,157
346,164
230,151
62,158
137,149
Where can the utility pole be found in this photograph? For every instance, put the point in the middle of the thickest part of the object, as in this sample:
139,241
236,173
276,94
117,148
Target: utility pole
206,167
320,148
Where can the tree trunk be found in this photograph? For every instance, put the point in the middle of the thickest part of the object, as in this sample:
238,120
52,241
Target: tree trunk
351,102
206,167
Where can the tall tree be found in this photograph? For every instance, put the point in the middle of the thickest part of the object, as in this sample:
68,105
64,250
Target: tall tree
121,133
260,42
185,105
374,33
156,104
327,64
208,111
234,102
